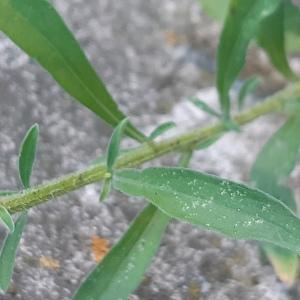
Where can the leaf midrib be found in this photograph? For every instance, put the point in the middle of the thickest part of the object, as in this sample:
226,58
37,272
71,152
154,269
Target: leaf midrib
155,189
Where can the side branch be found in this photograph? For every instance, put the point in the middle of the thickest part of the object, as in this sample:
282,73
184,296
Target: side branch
144,153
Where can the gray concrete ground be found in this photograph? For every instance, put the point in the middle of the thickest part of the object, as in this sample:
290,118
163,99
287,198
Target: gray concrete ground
151,54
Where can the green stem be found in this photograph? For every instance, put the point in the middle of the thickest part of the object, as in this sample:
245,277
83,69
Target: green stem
146,152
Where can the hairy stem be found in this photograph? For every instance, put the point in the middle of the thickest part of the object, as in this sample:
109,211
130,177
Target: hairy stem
144,153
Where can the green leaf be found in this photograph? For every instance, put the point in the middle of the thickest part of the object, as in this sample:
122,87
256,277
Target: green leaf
271,37
232,209
6,193
278,157
36,27
114,145
123,268
273,165
231,125
208,142
27,155
9,251
103,158
204,107
216,9
185,158
112,154
292,20
106,188
6,219
293,107
292,27
240,28
249,86
161,129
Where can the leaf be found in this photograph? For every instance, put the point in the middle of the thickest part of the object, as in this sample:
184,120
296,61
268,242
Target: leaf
161,129
204,107
6,193
100,247
292,27
9,251
185,158
123,267
231,125
241,26
216,9
112,154
292,20
6,219
278,157
103,158
114,145
271,37
232,209
106,188
273,165
208,142
249,86
36,27
27,155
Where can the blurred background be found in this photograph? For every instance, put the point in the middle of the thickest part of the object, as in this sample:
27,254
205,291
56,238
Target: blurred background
152,55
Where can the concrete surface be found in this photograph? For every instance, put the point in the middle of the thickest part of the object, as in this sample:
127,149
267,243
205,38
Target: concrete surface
151,54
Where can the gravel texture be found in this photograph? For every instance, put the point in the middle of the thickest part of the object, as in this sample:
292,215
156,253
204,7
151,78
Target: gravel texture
152,54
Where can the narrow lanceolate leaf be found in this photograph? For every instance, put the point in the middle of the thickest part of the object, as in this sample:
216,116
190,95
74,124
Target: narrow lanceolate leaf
27,154
8,252
114,145
271,37
112,154
240,28
249,86
204,107
103,158
123,268
6,219
185,158
6,193
207,143
106,188
36,27
232,209
161,129
273,165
